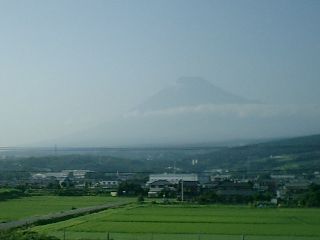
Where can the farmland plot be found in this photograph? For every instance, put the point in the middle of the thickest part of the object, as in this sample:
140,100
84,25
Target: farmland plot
40,205
159,222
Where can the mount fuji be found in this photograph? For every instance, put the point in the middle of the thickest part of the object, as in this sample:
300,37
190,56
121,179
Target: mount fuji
193,110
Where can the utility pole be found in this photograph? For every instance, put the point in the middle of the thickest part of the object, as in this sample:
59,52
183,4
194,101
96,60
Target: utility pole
181,190
55,149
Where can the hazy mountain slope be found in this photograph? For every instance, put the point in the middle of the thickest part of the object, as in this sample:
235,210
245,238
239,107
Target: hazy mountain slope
194,111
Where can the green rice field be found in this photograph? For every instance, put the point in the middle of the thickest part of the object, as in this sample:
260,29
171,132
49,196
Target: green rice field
191,222
39,205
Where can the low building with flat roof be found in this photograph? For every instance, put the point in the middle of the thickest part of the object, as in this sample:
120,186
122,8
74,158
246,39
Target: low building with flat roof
172,178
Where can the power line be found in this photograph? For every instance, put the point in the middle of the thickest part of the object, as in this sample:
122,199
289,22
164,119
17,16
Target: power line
164,148
224,171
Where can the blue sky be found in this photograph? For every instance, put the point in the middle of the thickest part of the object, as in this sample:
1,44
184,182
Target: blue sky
67,65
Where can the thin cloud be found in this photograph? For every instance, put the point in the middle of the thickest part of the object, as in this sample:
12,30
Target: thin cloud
236,110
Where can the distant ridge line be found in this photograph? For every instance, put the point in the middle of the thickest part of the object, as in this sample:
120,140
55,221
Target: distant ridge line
88,149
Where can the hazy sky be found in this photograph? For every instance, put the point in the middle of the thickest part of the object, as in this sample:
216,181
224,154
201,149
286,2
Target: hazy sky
67,65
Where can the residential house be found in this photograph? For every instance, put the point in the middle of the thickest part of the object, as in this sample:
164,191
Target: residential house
158,187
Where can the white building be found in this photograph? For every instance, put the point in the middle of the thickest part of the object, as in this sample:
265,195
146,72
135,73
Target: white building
78,174
172,178
108,184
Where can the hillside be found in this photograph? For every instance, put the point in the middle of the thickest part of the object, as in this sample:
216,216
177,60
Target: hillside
88,162
301,153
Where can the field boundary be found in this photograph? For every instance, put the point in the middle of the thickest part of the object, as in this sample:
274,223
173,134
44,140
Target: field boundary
60,216
64,234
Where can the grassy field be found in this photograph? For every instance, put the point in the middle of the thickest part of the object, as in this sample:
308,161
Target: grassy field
40,205
191,222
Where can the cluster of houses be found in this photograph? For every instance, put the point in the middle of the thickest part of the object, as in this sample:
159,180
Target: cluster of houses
279,186
78,178
165,183
184,186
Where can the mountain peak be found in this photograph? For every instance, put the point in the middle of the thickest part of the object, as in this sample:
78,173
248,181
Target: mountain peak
189,91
